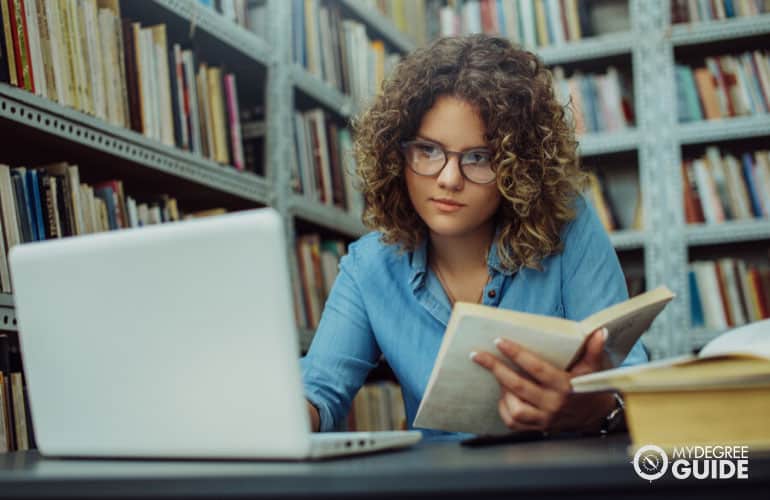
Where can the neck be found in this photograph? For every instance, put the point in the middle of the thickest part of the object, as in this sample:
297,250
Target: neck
462,253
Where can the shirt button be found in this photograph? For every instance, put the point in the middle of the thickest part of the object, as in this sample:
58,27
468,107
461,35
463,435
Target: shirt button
491,294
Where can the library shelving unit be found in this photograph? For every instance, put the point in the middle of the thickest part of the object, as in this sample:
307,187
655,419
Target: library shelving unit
282,85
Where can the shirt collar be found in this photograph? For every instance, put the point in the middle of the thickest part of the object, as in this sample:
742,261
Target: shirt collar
419,261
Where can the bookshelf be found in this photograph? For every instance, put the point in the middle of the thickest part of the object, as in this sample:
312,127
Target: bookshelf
656,141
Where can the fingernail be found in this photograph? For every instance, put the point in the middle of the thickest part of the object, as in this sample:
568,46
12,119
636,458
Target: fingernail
473,355
605,333
498,340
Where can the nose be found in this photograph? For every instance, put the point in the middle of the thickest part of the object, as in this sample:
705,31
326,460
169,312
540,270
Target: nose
450,177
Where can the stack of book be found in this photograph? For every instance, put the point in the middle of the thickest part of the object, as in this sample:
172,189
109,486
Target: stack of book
82,54
531,23
597,102
727,86
49,201
318,266
728,292
720,397
338,50
15,423
324,169
377,406
720,187
695,11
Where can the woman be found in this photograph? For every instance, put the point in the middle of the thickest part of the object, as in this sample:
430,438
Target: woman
471,180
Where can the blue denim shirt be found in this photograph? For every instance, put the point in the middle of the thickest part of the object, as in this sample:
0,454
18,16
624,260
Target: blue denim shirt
389,302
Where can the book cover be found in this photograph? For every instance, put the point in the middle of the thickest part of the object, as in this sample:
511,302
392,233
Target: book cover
462,396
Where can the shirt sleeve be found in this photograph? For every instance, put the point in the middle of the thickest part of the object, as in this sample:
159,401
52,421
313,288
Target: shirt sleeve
592,278
343,350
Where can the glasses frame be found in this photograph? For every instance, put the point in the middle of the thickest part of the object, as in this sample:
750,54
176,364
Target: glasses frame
447,154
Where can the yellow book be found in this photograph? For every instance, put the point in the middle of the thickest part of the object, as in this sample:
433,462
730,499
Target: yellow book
9,44
218,120
462,396
542,23
719,397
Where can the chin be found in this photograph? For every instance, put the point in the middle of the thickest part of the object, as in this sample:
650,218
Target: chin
445,226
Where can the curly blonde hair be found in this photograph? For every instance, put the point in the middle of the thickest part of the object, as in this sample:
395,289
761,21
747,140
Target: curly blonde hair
532,139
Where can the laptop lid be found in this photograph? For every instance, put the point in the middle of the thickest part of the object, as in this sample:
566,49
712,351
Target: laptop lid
176,340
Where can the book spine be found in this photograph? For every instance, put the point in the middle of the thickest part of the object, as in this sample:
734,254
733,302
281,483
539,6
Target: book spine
8,45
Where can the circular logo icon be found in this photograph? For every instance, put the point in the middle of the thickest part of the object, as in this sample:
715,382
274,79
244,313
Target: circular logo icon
650,462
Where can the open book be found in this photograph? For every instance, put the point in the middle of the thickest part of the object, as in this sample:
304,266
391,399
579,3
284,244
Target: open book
738,358
462,396
719,397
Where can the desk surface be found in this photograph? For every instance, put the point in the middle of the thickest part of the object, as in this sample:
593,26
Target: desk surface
590,467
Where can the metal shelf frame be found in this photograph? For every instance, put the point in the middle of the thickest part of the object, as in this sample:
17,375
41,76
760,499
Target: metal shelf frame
207,19
628,239
741,127
321,91
597,47
326,216
733,231
608,142
716,31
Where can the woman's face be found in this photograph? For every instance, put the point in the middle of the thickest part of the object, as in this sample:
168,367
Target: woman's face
448,203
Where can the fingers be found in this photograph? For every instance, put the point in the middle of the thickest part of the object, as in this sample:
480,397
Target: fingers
543,372
519,415
591,360
524,389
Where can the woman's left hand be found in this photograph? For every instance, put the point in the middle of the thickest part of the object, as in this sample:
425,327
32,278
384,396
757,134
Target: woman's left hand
545,401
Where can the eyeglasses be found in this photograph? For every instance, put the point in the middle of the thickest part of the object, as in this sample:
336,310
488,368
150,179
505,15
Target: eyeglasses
428,159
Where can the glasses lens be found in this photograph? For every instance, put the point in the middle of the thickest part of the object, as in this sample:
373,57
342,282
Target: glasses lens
424,158
477,166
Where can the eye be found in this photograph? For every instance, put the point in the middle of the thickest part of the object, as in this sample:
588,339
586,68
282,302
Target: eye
476,158
426,150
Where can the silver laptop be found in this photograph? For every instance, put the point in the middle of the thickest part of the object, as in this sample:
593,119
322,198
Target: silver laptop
169,341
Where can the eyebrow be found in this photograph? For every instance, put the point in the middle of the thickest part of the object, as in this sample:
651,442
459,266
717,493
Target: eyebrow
472,148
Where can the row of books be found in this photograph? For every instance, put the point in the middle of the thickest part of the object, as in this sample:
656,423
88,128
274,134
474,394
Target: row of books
531,23
16,433
338,50
49,201
726,86
695,11
318,261
377,406
323,165
82,54
598,102
728,292
598,195
719,187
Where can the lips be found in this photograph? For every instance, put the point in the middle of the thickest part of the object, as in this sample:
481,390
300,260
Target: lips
446,206
446,201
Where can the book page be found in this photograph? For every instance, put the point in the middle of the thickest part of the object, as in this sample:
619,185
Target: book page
462,396
752,339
